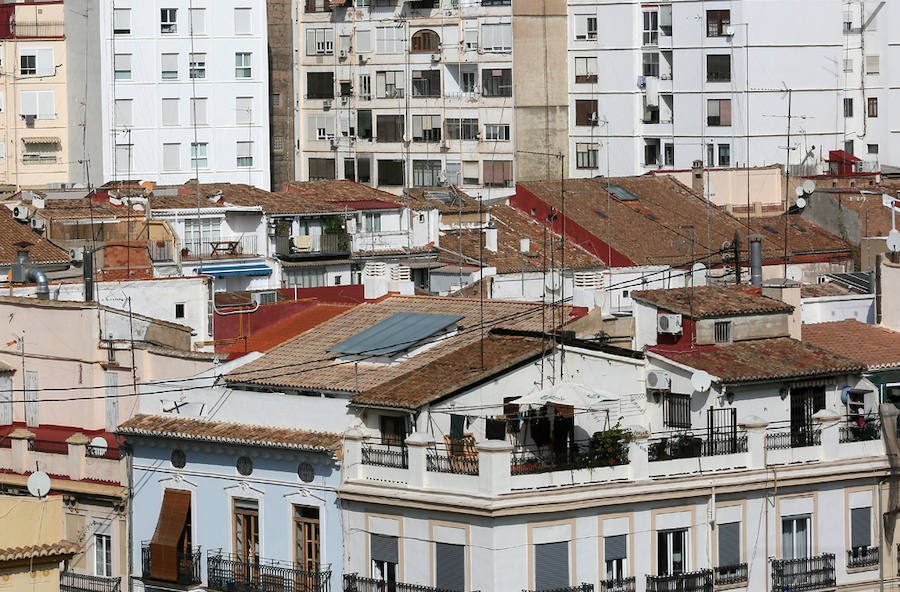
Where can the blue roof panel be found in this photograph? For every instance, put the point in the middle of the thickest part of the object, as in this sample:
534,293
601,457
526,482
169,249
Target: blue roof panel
396,333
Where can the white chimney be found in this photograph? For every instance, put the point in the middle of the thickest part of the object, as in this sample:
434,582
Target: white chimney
524,245
490,238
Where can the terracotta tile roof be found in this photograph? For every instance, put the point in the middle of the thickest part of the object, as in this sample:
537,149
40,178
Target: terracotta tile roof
305,362
13,232
452,372
804,236
874,346
512,226
446,200
824,289
341,190
48,550
6,368
82,208
181,428
286,329
762,360
713,301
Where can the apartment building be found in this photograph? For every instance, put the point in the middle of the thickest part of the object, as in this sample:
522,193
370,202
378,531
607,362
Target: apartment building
184,91
407,94
660,85
33,106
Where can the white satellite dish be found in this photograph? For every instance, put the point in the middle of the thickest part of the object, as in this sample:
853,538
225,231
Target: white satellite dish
801,202
809,186
138,207
39,484
799,191
98,446
553,281
701,381
697,267
893,240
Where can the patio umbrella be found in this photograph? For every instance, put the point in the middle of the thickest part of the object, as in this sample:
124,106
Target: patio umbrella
567,393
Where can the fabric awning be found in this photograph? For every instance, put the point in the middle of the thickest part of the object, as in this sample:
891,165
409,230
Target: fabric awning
42,140
235,269
170,525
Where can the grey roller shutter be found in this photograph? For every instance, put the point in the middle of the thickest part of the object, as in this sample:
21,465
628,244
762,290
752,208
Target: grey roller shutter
614,547
450,566
860,527
551,566
384,548
729,544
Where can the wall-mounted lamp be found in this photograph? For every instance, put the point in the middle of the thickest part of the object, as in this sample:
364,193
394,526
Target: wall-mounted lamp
784,392
729,396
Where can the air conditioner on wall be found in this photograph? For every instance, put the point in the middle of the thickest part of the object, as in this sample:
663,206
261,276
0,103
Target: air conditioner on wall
668,323
21,213
658,380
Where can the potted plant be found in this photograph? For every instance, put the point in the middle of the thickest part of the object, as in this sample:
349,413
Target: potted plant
608,448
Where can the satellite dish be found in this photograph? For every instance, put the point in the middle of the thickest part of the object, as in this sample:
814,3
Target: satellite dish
701,381
98,446
893,240
39,484
697,267
801,202
553,281
138,207
809,186
799,191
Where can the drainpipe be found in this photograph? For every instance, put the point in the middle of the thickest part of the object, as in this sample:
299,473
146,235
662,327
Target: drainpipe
878,289
881,549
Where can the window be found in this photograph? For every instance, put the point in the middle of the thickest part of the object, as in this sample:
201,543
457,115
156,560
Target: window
364,124
426,83
41,104
306,277
470,38
246,530
198,65
669,155
848,65
450,567
307,538
586,156
123,158
383,550
651,64
170,112
718,112
243,110
346,88
710,155
498,173
426,128
724,155
321,126
615,555
169,65
497,132
365,87
244,154
551,566
389,128
198,233
242,21
426,41
389,85
393,428
470,172
123,112
168,20
873,65
390,172
848,107
651,27
848,22
242,68
318,6
496,38
729,545
198,111
717,22
462,129
36,62
364,41
198,21
198,155
171,158
872,148
321,169
722,331
27,64
671,552
102,555
179,312
496,83
805,402
718,68
872,107
677,411
320,85
389,40
122,66
586,70
585,27
426,173
319,42
121,21
586,112
795,537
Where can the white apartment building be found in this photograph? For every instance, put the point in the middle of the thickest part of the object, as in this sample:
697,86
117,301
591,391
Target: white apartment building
661,84
185,91
407,94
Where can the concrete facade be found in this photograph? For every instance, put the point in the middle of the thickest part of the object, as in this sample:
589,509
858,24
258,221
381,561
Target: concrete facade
282,40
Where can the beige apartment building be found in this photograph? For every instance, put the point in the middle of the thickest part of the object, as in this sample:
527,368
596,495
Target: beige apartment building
33,106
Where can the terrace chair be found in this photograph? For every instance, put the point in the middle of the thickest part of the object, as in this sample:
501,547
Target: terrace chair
461,452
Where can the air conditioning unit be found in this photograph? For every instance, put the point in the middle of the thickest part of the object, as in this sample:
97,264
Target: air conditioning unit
263,297
37,224
343,54
658,380
334,142
641,82
668,323
21,213
76,254
326,104
363,59
445,145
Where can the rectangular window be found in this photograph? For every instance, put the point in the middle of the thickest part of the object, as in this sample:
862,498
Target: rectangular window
122,66
586,70
243,110
40,104
795,537
198,21
669,154
848,107
123,158
383,550
848,65
462,129
121,21
389,128
244,154
729,544
718,68
276,99
307,538
390,172
498,173
169,66
426,128
470,172
450,567
426,83
586,112
723,331
672,552
365,87
496,82
860,529
586,156
496,38
615,554
198,111
710,155
551,566
426,173
872,148
394,428
677,411
246,530
198,65
389,85
496,132
724,155
171,157
170,112
470,38
320,85
717,22
319,42
872,107
243,21
198,233
103,555
389,40
242,65
873,64
321,126
364,124
318,6
198,155
123,112
651,64
168,21
306,277
36,62
585,27
454,173
179,310
364,41
718,112
651,27
321,169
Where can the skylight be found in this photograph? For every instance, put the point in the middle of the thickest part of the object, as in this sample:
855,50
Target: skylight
399,332
798,228
601,214
770,229
621,193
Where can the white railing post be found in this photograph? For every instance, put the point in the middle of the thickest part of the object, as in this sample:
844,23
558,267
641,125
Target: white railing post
417,450
19,440
494,458
77,444
352,460
638,453
756,441
827,421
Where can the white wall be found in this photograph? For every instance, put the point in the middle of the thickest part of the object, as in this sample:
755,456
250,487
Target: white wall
837,308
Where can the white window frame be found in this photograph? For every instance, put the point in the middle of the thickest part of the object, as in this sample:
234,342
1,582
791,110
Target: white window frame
170,115
496,132
165,66
102,554
198,21
168,21
243,64
119,71
496,37
121,21
650,27
171,162
243,15
197,65
123,113
203,112
794,520
320,41
243,110
244,154
199,155
670,535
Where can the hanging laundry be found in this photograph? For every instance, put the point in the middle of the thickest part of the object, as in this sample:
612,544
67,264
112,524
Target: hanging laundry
456,426
495,429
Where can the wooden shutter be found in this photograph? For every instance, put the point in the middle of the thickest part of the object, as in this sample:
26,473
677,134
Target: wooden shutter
450,567
725,112
729,544
6,400
860,527
384,548
551,566
614,547
31,399
170,526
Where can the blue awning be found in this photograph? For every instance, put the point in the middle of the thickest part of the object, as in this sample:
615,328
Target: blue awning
235,269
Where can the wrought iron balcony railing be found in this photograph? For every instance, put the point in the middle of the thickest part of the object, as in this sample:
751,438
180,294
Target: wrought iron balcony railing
862,556
188,565
726,575
618,585
354,583
691,581
76,582
228,573
385,455
802,575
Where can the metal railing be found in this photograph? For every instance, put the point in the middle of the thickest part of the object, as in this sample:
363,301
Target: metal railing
385,455
34,29
618,585
226,246
188,565
578,588
862,556
726,575
691,581
76,582
161,251
793,439
860,429
227,573
690,446
354,583
528,461
801,575
454,459
323,244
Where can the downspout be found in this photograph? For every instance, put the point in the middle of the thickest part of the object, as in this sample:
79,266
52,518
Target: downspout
881,549
129,466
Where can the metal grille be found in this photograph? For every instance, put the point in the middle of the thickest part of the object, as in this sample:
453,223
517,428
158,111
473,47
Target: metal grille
385,455
227,573
451,460
731,574
692,581
862,556
76,582
619,585
790,439
354,583
677,411
801,575
721,430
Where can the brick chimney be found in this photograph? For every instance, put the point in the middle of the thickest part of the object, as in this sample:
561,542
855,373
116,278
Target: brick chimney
697,177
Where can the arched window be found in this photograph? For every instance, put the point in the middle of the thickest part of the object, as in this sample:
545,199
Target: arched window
425,41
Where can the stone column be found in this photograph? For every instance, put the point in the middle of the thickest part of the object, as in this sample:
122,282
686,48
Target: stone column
77,444
417,447
756,441
494,457
19,441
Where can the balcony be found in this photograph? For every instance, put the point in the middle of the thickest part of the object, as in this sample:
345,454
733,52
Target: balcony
605,449
188,566
578,588
299,247
801,438
801,575
860,429
687,445
76,582
354,583
729,575
227,573
385,455
71,456
620,585
862,557
456,458
221,248
161,251
691,581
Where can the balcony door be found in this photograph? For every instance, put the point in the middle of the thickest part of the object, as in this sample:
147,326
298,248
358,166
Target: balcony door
804,403
307,549
671,552
795,537
246,537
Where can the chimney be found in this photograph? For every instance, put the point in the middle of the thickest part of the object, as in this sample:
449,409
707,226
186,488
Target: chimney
524,245
490,238
88,274
756,260
697,177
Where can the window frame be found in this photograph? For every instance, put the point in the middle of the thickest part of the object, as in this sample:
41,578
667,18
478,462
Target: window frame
669,535
872,107
586,155
168,21
650,27
716,24
713,75
425,41
722,331
245,66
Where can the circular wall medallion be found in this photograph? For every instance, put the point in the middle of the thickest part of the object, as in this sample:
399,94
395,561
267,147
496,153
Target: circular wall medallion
244,465
305,472
178,458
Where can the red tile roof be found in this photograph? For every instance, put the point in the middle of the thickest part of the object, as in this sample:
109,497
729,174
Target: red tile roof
340,190
762,360
804,236
713,301
824,289
15,235
56,551
876,347
447,200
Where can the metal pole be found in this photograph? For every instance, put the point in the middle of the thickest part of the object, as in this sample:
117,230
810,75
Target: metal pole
787,179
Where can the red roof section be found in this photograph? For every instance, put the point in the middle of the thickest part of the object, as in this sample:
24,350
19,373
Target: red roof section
876,347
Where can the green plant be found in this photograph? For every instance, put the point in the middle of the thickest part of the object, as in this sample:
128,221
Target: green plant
608,447
334,225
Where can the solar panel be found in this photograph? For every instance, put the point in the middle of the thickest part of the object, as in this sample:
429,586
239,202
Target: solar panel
621,193
770,229
798,227
396,333
860,281
599,213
